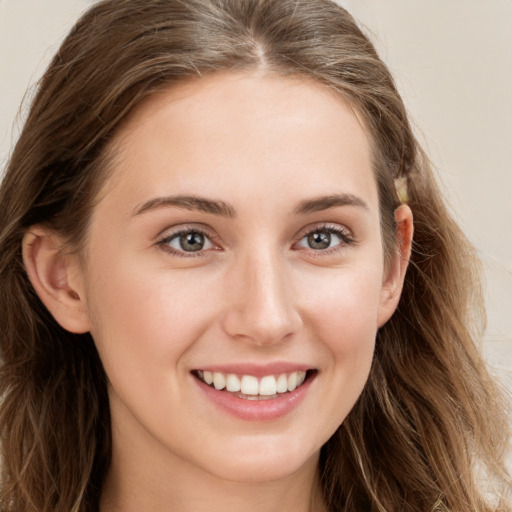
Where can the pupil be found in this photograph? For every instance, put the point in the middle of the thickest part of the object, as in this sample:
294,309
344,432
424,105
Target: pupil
319,240
192,242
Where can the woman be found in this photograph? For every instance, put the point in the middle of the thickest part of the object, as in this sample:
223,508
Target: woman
210,296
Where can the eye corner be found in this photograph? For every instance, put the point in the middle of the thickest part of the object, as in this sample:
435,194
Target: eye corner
187,242
324,237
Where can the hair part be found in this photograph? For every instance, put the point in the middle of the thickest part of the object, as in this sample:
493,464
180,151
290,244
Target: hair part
429,411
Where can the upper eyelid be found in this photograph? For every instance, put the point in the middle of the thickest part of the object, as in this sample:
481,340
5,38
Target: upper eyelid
202,228
165,238
173,231
326,226
347,239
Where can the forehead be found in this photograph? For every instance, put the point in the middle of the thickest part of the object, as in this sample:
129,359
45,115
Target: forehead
234,132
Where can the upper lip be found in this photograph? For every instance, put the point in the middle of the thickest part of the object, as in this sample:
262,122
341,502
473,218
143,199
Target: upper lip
258,370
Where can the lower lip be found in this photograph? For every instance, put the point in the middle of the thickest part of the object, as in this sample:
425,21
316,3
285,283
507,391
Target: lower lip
256,410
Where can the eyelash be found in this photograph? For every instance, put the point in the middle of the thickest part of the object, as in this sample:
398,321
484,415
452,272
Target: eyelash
346,239
345,236
163,242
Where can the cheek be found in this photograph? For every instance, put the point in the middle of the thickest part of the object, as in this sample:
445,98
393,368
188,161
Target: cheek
344,304
144,319
343,312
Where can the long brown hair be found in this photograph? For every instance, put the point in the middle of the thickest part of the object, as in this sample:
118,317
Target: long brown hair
429,417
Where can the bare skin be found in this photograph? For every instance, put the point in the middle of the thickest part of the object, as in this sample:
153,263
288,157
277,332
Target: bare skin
239,229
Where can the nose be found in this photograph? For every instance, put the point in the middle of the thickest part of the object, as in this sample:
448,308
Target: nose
262,305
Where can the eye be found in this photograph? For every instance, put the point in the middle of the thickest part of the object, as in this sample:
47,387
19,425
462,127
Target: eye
324,238
189,241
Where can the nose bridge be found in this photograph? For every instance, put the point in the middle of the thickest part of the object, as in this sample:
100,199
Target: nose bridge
262,308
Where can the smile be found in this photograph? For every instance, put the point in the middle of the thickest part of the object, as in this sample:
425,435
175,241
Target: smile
251,387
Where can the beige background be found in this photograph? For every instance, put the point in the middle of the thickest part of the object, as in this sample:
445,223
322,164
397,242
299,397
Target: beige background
452,60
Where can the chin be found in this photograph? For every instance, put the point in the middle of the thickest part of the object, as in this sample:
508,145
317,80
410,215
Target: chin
263,460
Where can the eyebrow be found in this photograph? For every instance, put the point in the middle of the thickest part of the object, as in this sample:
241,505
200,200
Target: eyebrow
188,203
326,202
217,207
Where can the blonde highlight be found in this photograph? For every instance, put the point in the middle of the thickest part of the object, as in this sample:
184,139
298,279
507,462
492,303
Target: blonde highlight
430,412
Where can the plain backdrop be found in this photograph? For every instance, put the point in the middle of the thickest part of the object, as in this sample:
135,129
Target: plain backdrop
452,60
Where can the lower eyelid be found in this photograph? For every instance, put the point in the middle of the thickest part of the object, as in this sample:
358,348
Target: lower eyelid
164,241
345,239
207,243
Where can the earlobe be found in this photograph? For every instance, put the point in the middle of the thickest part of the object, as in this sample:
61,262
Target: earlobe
395,274
56,278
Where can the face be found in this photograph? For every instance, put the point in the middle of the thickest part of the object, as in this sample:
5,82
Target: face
237,241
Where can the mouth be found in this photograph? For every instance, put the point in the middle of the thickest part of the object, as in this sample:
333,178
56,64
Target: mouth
250,387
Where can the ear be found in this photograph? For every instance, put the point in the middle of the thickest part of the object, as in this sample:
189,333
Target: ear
395,274
56,277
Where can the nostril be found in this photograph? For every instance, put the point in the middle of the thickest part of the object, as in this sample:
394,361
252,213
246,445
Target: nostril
262,306
260,329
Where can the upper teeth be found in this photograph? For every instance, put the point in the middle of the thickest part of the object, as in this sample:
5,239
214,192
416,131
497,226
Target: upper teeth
250,385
